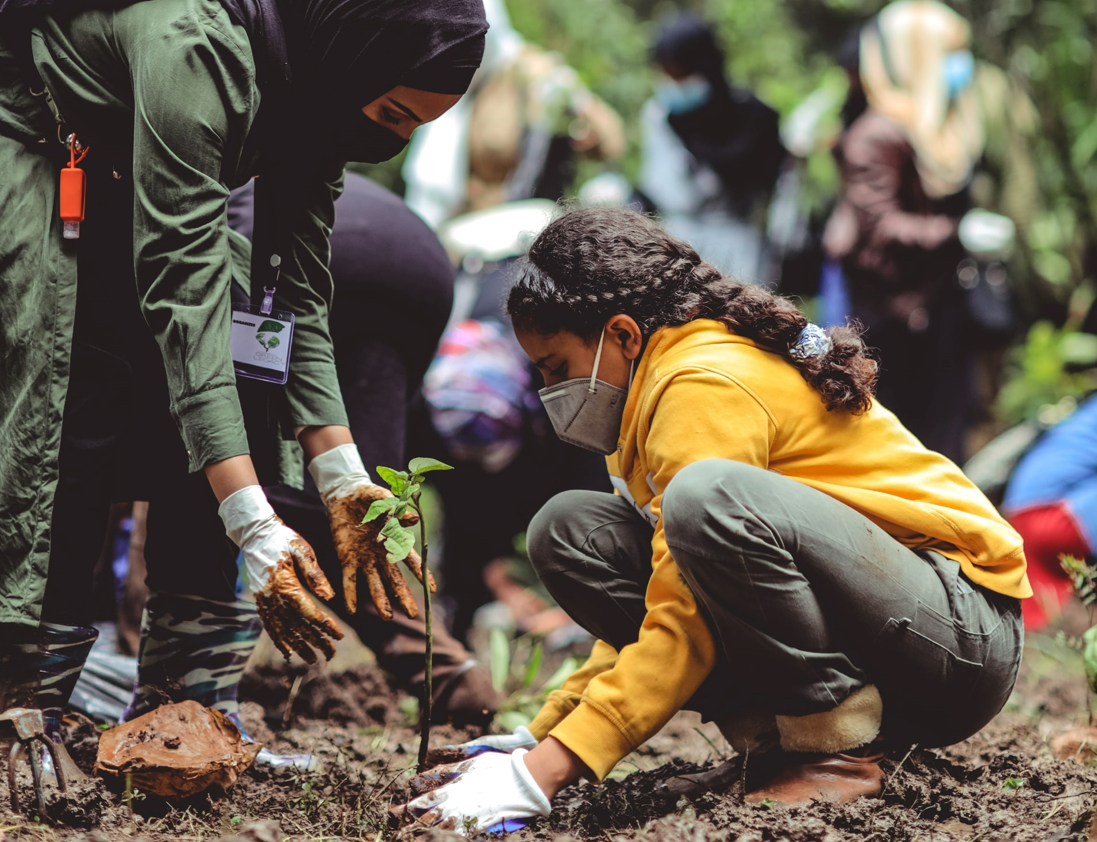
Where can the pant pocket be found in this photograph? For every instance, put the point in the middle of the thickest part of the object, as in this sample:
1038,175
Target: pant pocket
926,685
907,651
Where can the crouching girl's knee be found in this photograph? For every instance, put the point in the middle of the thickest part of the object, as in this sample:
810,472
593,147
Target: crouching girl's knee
550,533
705,488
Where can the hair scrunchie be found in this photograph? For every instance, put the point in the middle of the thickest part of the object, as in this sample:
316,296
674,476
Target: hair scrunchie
812,342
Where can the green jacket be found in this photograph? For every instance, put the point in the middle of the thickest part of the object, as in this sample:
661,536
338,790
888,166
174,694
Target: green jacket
169,86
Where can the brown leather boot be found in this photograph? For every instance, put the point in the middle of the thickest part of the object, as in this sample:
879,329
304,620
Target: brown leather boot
834,777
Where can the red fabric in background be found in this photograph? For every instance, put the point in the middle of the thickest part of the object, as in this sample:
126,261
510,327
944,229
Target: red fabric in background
1048,531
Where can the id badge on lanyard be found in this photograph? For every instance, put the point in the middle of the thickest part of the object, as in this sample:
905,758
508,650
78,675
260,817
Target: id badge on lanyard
260,340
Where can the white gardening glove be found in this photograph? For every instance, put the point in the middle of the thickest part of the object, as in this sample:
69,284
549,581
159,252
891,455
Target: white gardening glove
347,491
492,793
339,473
274,555
521,738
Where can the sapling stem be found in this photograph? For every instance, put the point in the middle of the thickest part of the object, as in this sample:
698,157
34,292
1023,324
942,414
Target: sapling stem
398,539
428,680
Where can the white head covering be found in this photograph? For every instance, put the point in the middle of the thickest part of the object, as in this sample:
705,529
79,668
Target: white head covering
903,74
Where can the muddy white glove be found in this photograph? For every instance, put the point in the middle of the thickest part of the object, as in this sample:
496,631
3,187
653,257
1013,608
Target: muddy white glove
347,491
339,473
521,738
492,793
274,555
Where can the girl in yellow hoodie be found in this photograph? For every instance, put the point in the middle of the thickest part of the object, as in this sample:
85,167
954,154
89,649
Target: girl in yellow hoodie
781,554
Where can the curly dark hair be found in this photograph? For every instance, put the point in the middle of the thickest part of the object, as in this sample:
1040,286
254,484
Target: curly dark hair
593,263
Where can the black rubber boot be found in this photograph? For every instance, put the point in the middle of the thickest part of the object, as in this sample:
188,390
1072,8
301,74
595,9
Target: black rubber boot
38,669
18,671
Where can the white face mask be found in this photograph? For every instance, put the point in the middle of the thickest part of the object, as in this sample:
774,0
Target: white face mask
587,412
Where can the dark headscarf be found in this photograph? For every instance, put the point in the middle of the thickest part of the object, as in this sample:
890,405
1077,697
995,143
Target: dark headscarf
342,55
355,50
689,45
734,132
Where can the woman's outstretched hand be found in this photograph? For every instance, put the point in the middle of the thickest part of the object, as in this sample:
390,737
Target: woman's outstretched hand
274,557
347,491
492,792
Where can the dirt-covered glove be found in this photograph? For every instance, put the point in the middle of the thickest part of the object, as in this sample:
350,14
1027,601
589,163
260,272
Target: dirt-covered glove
347,491
274,556
493,793
521,738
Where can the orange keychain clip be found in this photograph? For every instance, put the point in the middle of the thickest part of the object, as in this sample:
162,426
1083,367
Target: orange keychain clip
74,187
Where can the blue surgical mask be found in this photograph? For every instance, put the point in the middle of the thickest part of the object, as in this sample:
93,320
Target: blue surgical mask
959,70
684,95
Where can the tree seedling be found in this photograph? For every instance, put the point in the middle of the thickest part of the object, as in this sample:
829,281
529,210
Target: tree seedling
399,540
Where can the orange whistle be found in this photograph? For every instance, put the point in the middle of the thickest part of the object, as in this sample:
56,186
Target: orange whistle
74,188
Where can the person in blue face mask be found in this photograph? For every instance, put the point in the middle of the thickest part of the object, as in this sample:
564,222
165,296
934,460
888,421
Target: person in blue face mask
711,152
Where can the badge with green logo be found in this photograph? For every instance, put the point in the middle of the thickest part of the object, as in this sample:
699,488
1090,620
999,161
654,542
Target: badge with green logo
260,342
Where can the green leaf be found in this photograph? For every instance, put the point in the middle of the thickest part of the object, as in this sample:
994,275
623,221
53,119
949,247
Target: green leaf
422,465
398,540
379,507
272,326
274,342
534,665
1012,784
397,480
557,679
500,658
1089,657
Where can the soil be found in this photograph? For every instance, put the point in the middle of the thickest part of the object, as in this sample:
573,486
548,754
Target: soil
1005,783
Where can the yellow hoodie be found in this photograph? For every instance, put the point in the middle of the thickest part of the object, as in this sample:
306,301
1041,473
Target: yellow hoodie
703,392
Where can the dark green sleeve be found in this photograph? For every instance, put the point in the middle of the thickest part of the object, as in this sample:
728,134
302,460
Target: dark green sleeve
194,100
312,395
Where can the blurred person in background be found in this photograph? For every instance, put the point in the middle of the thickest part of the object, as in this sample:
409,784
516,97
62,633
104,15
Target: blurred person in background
1051,499
906,164
517,135
711,152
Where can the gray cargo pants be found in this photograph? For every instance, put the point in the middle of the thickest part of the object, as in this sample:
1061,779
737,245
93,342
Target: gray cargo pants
807,600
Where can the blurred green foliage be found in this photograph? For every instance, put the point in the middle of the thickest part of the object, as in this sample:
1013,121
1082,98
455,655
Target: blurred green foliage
1051,365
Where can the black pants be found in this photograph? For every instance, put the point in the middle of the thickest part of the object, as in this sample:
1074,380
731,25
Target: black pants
807,600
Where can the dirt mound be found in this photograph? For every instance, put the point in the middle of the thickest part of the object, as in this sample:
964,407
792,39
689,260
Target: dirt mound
361,695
